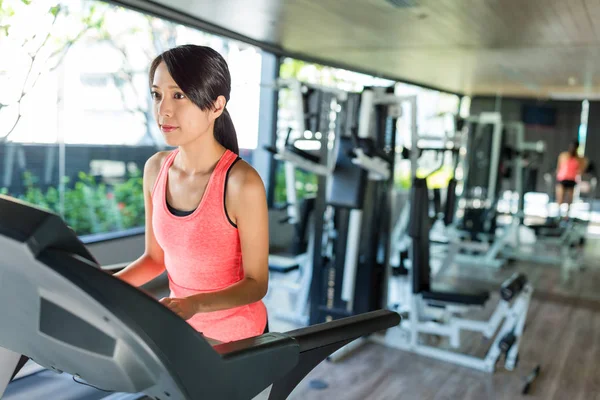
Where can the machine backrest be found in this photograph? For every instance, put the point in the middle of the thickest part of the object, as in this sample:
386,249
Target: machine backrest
301,238
418,229
450,204
348,180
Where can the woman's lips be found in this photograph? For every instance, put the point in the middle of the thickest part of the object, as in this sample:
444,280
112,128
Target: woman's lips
167,128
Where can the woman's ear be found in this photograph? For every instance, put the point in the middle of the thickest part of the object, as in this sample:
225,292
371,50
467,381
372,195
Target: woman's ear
218,107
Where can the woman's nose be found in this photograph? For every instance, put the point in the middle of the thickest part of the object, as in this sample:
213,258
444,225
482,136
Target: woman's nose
165,109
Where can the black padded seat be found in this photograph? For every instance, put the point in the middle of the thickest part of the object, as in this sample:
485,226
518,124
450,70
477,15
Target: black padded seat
449,294
371,149
283,269
304,154
271,149
282,264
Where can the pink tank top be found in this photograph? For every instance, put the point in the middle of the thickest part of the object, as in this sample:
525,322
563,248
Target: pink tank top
202,254
568,170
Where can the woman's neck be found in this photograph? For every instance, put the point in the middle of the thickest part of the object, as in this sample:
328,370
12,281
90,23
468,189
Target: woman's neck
199,156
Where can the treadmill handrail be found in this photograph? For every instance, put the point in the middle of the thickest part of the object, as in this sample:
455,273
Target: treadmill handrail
343,329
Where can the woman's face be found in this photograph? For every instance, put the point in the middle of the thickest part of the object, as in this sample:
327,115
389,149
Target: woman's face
179,119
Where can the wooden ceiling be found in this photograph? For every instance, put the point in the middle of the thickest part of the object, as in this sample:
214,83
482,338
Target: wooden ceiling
525,48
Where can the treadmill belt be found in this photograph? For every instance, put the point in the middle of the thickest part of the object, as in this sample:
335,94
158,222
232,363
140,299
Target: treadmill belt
47,385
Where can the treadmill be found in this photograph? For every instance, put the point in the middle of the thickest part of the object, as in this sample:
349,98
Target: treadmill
67,314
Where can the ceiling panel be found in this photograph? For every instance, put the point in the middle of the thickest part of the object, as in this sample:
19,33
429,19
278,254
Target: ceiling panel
510,47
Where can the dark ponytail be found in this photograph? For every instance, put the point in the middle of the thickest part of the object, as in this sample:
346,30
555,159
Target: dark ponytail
225,132
203,75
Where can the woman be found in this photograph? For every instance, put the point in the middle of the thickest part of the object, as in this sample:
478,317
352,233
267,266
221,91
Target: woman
569,167
206,209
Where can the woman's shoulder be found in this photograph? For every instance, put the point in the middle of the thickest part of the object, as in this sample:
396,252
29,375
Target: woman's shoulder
243,176
153,165
245,187
245,191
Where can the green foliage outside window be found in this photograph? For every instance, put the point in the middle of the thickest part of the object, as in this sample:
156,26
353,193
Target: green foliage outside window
91,207
306,184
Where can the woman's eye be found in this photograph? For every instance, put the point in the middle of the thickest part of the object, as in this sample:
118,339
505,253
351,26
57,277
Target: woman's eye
155,95
179,96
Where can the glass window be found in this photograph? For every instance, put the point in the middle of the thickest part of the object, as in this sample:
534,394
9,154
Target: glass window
76,122
436,116
315,74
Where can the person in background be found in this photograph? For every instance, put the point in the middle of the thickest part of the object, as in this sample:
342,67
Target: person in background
569,168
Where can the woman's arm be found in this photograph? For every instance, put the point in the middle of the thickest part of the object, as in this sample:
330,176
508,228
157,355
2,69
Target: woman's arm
246,204
583,165
150,264
559,162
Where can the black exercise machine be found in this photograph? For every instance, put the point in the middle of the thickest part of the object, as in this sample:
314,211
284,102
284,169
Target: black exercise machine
63,311
353,218
436,309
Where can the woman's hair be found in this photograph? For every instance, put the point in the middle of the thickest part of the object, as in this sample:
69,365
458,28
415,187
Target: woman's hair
203,75
574,145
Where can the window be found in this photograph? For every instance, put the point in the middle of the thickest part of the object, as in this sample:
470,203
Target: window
350,81
436,113
76,123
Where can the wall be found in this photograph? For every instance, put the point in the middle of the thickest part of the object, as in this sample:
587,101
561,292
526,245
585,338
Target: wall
557,138
118,251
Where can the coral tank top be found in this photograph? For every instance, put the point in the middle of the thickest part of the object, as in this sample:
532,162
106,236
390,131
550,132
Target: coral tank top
202,253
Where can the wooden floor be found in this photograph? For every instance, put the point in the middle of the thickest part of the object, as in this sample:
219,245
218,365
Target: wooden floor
562,336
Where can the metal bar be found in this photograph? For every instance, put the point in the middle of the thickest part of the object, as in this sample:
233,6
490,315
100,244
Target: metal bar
351,257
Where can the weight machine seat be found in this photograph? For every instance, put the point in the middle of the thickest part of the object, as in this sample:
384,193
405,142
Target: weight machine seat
537,227
549,234
72,316
579,221
283,269
471,298
282,264
271,149
509,289
304,154
370,148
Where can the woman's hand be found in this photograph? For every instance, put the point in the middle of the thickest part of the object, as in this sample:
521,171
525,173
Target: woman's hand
184,307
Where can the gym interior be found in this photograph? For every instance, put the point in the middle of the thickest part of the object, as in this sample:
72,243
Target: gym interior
424,240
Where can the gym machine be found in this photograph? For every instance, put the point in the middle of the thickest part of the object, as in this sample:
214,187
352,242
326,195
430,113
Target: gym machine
437,309
434,309
313,109
60,309
350,262
354,167
474,237
444,208
351,267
